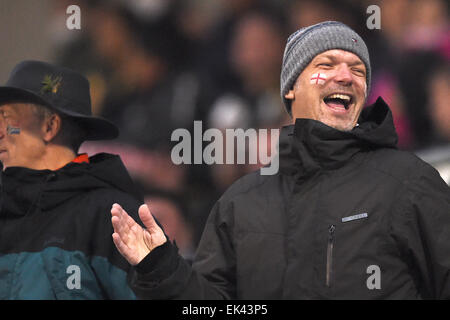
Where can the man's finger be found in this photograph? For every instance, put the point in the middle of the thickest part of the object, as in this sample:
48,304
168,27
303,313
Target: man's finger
147,218
119,230
116,209
126,222
125,216
120,226
115,212
118,221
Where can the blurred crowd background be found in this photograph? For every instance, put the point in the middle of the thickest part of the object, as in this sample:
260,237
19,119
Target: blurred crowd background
158,65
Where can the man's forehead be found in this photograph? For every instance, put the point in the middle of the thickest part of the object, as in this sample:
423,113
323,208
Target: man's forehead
20,108
339,54
8,106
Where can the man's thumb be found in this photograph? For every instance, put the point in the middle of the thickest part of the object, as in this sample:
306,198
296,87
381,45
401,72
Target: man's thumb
146,217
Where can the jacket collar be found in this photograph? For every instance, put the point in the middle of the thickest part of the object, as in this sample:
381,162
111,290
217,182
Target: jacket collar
24,190
309,145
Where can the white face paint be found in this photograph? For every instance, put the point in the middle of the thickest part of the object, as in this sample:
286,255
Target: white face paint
318,78
12,130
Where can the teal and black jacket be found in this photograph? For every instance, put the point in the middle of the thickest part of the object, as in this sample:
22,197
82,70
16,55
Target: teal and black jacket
55,231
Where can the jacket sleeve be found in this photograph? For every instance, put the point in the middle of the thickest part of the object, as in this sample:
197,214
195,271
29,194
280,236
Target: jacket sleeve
164,274
424,231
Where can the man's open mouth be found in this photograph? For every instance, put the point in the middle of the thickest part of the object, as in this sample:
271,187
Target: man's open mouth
338,101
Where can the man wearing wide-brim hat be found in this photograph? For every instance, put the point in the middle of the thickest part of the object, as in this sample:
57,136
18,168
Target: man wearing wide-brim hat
55,230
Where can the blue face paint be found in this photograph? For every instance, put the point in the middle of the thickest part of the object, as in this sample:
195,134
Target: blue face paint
12,130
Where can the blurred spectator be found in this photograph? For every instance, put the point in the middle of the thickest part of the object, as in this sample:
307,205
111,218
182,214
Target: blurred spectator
425,38
403,60
143,96
385,84
414,73
304,13
253,101
428,27
439,96
216,55
437,152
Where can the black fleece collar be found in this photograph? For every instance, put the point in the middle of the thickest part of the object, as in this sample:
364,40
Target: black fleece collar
309,145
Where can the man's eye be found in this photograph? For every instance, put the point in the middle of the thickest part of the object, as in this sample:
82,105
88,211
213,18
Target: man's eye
324,64
359,72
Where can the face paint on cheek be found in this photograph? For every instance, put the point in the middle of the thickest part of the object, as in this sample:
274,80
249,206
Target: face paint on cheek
12,130
318,78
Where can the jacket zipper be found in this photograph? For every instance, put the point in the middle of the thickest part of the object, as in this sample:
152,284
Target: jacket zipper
330,246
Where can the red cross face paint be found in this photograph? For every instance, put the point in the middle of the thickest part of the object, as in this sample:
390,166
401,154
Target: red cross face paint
318,78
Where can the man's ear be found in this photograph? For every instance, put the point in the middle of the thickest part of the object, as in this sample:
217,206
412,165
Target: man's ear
51,127
290,95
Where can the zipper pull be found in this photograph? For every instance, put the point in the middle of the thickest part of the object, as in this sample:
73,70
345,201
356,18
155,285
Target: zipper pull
331,231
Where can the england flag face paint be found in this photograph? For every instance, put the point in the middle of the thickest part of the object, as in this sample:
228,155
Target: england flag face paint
318,78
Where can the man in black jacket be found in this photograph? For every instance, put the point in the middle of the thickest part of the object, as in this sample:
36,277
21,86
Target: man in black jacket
54,227
348,216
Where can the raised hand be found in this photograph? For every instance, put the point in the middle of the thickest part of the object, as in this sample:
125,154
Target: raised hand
132,241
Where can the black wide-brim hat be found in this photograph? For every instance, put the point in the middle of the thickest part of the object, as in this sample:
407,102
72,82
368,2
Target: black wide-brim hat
60,89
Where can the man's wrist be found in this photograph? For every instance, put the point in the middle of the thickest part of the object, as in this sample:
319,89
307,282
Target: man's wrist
161,255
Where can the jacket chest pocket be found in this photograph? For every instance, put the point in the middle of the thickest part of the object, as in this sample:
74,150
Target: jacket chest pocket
349,248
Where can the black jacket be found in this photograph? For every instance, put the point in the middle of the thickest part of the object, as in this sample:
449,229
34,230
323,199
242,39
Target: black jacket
348,216
55,225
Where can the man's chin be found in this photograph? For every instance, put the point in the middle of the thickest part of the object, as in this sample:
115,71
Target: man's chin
340,125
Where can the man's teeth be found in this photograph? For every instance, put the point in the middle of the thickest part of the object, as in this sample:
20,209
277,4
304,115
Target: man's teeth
340,96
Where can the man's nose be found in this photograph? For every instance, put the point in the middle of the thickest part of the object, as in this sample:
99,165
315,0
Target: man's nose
343,75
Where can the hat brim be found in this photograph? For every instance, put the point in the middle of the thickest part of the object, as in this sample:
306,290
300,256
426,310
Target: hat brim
96,128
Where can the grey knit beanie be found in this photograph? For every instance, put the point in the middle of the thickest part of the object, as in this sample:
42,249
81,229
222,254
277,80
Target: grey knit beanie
304,44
